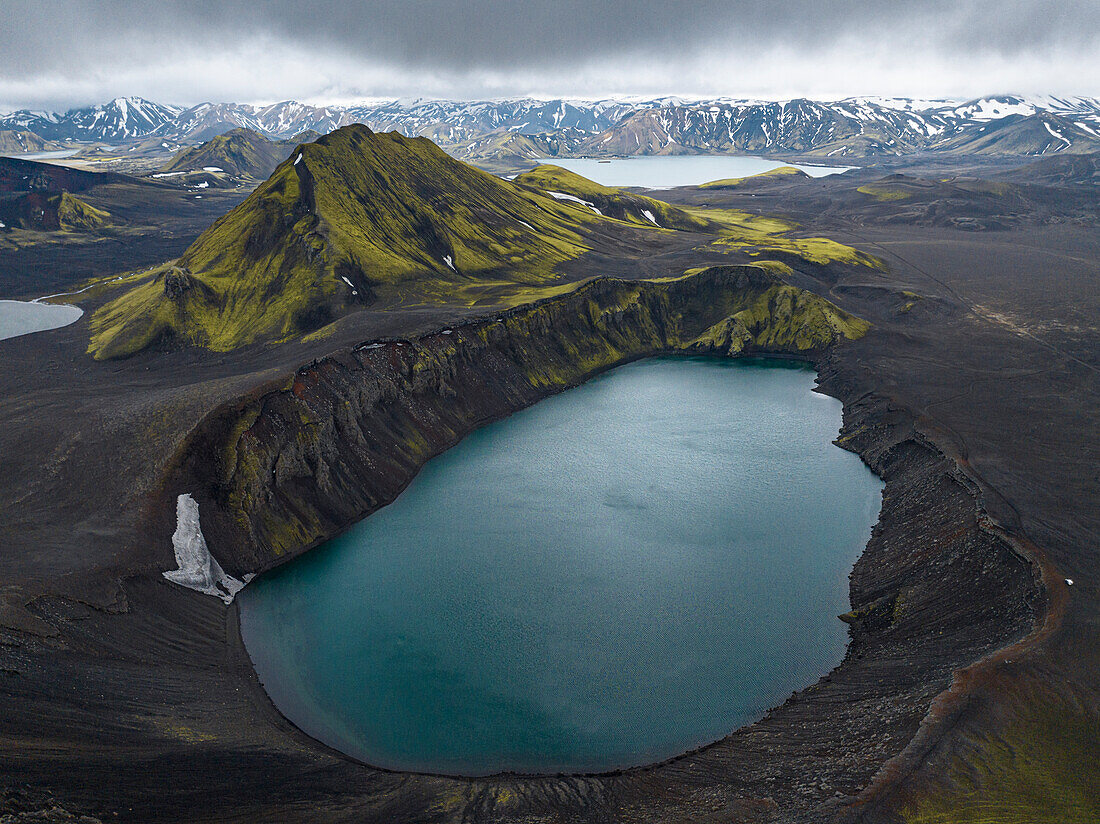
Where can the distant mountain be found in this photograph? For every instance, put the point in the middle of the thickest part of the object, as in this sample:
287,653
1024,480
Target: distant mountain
239,152
466,120
208,120
23,142
479,130
124,118
1022,134
851,128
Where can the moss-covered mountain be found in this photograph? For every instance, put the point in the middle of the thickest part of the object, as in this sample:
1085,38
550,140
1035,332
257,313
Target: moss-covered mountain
74,215
758,180
354,217
240,152
44,212
612,202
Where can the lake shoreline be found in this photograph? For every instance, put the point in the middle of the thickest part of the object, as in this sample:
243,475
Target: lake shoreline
609,417
919,479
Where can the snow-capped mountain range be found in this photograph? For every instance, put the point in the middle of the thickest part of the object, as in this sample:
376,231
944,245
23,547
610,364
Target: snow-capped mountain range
852,127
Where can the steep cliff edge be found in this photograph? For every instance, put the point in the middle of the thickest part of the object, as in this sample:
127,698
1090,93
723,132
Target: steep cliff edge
286,469
282,472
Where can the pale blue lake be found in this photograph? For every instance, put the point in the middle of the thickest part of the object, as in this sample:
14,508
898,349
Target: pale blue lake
19,317
621,573
683,170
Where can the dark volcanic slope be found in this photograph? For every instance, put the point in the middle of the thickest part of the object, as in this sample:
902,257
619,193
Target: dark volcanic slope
972,395
31,176
40,252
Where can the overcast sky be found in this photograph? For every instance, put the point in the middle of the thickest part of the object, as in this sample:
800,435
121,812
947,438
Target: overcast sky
72,52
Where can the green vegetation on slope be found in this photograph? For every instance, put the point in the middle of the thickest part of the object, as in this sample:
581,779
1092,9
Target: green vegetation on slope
737,229
756,234
617,203
883,192
781,319
74,215
354,217
734,182
1042,766
359,218
239,152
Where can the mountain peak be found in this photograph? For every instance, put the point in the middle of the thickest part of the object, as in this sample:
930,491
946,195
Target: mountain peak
355,218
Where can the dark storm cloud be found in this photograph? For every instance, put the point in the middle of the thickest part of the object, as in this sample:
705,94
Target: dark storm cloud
565,46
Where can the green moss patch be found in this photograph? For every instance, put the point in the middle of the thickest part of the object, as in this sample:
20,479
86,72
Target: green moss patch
884,192
1043,766
612,202
734,182
756,234
74,215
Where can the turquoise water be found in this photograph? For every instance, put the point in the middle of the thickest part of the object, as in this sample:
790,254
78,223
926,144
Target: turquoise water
18,317
618,574
682,170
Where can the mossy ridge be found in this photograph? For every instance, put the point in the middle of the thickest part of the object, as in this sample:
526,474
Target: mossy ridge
612,202
354,217
74,215
338,429
782,318
734,182
239,152
757,234
884,193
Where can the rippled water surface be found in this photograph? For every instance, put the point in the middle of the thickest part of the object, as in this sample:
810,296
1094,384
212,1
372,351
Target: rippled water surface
618,574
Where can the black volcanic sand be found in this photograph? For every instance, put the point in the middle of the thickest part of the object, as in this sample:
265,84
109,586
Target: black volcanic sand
123,697
151,221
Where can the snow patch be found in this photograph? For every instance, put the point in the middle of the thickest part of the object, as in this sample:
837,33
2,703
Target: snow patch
1069,582
1055,133
648,215
450,262
198,569
213,169
564,196
298,159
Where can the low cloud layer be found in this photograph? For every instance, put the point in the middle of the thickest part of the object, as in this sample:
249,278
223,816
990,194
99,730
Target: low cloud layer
59,54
